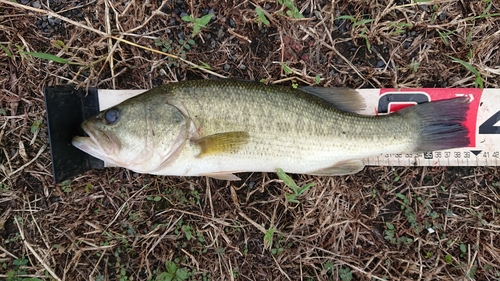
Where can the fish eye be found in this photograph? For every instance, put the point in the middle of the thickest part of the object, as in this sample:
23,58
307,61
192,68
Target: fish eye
111,116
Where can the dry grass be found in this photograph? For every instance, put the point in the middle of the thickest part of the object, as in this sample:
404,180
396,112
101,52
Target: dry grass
384,223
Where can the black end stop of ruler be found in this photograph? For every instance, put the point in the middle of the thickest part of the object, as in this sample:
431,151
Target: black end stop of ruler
66,109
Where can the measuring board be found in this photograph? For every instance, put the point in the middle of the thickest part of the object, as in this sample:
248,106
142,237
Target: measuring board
483,122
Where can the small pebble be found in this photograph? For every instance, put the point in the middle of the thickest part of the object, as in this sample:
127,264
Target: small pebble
212,13
36,4
55,199
227,67
380,64
342,25
220,33
232,23
181,35
422,8
307,12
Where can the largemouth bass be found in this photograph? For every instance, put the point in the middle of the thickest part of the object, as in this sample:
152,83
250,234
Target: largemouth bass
220,127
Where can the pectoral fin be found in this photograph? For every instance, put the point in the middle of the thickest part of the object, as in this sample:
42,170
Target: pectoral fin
341,168
230,142
223,176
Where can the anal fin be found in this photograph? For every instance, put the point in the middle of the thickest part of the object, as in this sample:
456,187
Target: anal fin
345,167
228,176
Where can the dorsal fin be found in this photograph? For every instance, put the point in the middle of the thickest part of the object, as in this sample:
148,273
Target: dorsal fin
342,98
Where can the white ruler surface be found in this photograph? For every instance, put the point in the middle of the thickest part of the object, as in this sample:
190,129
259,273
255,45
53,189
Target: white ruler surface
483,122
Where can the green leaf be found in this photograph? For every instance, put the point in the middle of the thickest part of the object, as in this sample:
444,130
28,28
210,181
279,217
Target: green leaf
187,230
196,29
37,124
261,17
291,198
59,44
363,35
50,57
286,179
6,50
286,69
361,22
165,276
171,267
306,187
463,248
346,17
188,18
479,79
402,197
203,65
297,191
478,83
293,11
317,79
268,238
203,21
159,42
198,22
182,274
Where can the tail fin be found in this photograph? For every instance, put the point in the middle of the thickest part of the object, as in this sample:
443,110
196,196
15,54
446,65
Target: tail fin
441,124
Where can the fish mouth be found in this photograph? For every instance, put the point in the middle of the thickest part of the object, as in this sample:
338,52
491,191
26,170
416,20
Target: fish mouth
99,143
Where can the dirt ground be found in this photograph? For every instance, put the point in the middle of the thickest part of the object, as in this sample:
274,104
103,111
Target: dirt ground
384,223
